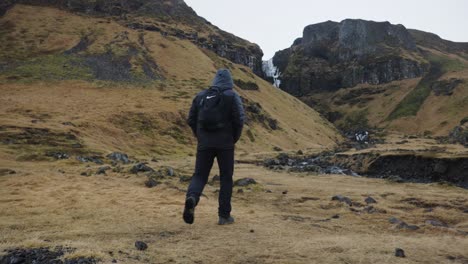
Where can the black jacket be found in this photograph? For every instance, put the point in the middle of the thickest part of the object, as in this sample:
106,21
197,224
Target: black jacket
226,137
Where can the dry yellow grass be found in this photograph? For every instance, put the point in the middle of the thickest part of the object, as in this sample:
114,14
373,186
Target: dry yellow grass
99,214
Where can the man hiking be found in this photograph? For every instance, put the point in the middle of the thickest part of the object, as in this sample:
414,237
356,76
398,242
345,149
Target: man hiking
216,118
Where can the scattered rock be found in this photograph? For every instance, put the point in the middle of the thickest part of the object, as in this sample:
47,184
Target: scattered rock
400,253
240,191
140,245
4,172
275,148
119,157
436,223
58,155
268,191
370,200
68,124
342,199
185,178
299,152
215,179
151,183
252,231
403,225
43,255
285,192
102,170
244,182
168,171
141,167
336,216
394,220
95,159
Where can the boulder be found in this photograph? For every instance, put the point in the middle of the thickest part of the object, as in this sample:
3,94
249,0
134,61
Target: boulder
342,199
119,157
102,170
151,183
141,167
370,200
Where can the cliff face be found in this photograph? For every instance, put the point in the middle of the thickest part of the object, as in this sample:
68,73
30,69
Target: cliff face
169,17
332,55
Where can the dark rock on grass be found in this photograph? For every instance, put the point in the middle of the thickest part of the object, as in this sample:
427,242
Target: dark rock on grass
240,191
403,225
400,253
437,223
102,170
394,220
277,149
57,155
371,210
285,192
335,216
41,255
4,172
342,199
141,167
268,191
80,260
185,178
370,200
244,182
95,159
168,171
299,152
140,245
215,179
119,157
465,211
151,183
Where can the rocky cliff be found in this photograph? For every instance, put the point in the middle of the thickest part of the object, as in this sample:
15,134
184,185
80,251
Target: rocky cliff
332,55
169,17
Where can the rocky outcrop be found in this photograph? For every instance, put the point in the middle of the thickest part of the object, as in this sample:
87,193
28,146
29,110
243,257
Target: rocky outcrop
332,55
146,15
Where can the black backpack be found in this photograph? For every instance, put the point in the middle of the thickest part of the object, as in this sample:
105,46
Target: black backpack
212,110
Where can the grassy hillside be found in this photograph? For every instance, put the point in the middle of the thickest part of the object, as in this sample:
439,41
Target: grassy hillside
102,87
432,105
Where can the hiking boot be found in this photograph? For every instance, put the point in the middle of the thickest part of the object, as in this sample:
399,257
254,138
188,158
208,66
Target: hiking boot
189,210
226,221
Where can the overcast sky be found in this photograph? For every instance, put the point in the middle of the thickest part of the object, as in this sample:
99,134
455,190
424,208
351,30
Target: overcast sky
274,25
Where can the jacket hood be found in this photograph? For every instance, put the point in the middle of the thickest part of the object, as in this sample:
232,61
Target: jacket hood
223,80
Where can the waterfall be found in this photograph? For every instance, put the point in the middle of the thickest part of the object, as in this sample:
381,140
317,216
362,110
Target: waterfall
272,71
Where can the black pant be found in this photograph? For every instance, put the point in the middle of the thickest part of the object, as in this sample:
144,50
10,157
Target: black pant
203,165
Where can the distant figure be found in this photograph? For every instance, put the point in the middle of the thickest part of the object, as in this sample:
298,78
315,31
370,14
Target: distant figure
216,118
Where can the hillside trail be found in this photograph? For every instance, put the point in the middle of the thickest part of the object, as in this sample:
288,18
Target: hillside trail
285,218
